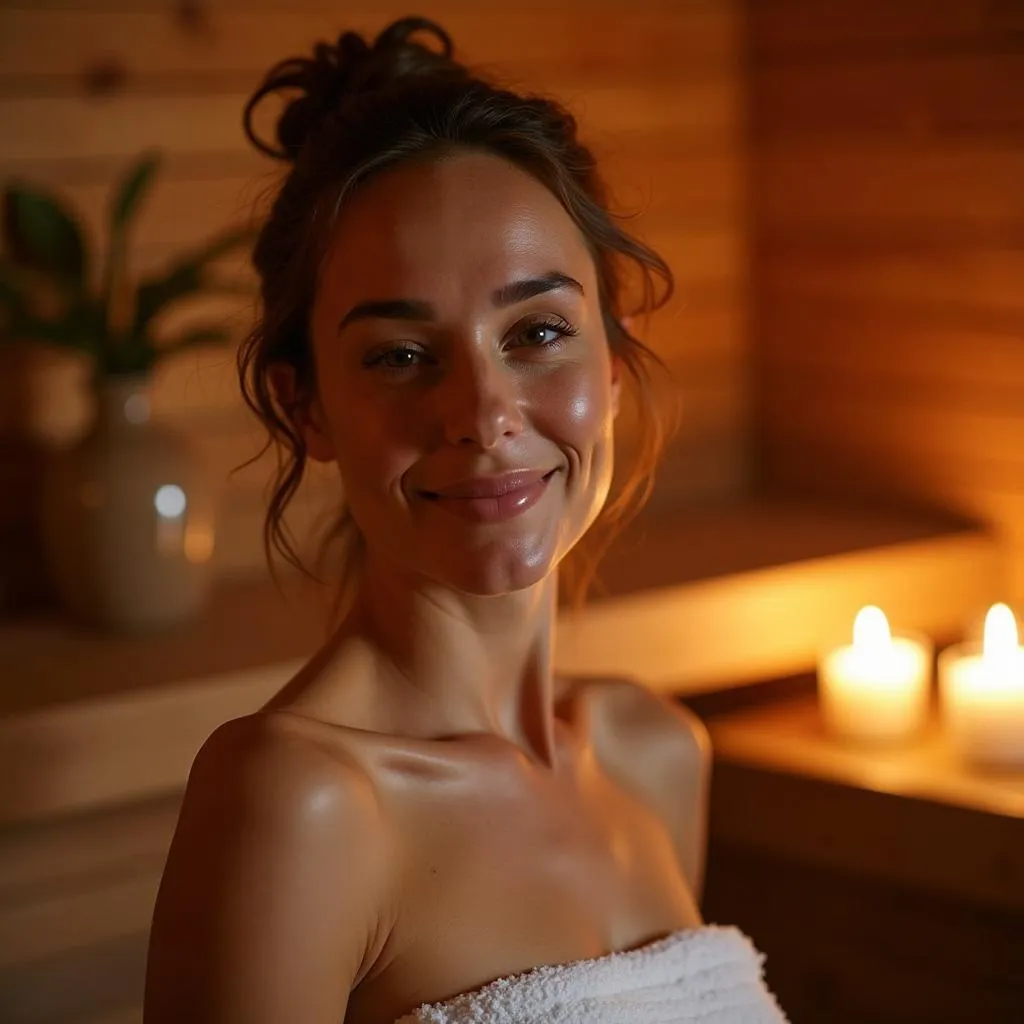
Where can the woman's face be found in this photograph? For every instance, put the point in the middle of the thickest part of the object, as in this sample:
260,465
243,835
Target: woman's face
465,386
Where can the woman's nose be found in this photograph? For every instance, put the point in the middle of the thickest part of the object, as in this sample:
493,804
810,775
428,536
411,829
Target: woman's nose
480,403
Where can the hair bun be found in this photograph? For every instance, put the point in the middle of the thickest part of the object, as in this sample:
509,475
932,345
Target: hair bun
342,70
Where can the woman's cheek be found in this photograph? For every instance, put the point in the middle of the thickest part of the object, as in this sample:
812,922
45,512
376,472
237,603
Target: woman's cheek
372,454
573,405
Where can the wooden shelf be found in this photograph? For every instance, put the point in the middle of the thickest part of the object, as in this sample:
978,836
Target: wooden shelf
247,625
913,815
789,736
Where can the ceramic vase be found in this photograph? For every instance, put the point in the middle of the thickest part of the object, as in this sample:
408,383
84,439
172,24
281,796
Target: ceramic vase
127,517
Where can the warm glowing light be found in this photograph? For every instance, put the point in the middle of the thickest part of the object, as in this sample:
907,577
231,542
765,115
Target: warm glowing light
871,631
199,543
875,689
1001,639
983,693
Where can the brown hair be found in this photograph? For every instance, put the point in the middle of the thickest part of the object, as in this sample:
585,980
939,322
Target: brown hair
361,108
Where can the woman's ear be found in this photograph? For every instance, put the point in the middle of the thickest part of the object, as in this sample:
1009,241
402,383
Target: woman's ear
304,414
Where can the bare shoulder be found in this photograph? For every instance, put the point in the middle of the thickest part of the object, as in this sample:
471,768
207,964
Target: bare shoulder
662,752
268,761
281,853
627,711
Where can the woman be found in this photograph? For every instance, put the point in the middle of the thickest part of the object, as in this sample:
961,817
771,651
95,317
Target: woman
427,808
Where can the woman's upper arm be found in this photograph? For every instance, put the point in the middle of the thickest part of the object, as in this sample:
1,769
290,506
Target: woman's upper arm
272,893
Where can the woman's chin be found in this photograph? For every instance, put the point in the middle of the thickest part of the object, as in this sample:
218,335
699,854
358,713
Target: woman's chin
493,573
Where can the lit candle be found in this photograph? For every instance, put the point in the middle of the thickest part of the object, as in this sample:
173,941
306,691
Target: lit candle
876,689
983,693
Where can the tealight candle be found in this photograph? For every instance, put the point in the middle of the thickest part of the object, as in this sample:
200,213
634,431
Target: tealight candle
876,689
983,693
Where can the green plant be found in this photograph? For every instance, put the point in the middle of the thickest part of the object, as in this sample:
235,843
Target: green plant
48,293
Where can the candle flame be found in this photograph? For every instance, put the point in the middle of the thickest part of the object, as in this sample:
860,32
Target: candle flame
871,630
1001,637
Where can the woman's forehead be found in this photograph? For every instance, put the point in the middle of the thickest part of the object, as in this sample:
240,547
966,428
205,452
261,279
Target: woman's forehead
470,220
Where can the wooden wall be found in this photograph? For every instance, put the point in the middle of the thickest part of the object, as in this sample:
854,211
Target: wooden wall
87,84
887,217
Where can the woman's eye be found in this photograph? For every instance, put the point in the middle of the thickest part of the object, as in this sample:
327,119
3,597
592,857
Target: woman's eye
547,334
396,359
542,334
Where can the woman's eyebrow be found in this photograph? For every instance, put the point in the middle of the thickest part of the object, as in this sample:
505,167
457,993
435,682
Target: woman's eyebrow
388,309
417,309
520,291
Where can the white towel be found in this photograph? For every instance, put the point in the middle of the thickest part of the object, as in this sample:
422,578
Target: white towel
708,975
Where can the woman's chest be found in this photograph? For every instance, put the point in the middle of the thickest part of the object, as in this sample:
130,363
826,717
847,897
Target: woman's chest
517,872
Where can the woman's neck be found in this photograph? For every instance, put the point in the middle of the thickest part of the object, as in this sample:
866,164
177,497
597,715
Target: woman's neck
462,662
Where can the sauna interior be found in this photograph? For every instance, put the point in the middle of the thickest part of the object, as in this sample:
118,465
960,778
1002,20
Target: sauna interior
839,190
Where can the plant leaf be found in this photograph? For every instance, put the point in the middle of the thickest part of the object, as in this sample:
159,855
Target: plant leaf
124,202
41,234
119,360
76,330
223,243
186,277
132,189
12,290
156,293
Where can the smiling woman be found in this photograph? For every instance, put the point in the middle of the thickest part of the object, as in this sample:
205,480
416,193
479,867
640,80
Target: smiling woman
407,130
477,379
426,807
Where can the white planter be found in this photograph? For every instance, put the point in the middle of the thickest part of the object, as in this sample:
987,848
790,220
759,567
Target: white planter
128,517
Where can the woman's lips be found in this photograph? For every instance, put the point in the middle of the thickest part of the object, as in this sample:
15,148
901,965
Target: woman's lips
492,499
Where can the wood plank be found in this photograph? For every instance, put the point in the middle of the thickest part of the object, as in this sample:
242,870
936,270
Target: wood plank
792,29
963,185
703,467
39,128
987,494
932,426
683,333
230,42
177,213
71,851
974,365
883,952
43,128
979,490
100,169
700,257
121,906
981,276
925,97
100,983
248,629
